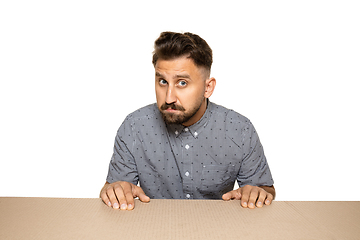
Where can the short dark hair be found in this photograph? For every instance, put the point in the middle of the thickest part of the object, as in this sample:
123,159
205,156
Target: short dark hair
171,45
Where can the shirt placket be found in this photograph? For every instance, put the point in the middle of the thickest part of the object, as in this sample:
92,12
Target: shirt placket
187,154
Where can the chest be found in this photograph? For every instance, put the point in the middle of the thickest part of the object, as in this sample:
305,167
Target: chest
185,154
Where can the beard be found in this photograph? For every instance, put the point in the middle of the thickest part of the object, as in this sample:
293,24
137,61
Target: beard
183,116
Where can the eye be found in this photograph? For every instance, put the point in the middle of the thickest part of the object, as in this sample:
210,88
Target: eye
162,82
182,83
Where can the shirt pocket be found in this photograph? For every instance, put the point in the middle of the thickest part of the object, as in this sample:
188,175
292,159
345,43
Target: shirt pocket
217,179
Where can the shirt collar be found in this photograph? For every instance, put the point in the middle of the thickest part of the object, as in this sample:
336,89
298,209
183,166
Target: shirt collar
194,129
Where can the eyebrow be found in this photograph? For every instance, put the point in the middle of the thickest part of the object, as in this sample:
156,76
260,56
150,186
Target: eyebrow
182,76
159,74
185,75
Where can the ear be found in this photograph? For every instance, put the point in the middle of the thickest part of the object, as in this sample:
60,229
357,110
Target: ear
209,87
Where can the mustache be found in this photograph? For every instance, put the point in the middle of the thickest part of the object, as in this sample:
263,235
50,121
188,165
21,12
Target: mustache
172,106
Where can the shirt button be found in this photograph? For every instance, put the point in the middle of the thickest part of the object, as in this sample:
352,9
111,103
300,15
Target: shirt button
176,132
187,146
187,174
187,195
186,129
195,134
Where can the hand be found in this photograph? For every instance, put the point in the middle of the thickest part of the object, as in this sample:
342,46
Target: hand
251,196
121,195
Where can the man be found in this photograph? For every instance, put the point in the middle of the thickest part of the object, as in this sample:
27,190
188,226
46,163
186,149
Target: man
186,147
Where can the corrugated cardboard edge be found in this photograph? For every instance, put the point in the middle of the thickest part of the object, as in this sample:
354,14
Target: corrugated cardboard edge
52,218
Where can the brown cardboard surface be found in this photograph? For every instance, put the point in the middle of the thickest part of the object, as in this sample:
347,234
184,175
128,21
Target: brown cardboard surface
52,218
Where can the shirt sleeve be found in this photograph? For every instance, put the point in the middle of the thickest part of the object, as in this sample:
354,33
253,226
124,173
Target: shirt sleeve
122,166
254,168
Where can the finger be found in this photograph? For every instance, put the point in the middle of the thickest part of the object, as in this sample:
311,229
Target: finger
128,195
110,192
227,196
105,198
234,194
254,194
119,192
138,192
261,198
245,195
269,199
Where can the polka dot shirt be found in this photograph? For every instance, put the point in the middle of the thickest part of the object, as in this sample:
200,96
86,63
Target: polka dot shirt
202,161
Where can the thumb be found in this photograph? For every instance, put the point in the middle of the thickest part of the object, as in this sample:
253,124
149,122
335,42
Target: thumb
138,192
234,194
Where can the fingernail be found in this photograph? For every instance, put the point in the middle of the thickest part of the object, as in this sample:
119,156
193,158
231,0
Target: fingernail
259,203
116,205
123,206
109,204
267,202
130,206
251,205
245,204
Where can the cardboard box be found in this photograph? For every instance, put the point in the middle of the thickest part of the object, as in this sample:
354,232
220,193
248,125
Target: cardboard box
51,218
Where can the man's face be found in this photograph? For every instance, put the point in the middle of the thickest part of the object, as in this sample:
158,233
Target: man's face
180,88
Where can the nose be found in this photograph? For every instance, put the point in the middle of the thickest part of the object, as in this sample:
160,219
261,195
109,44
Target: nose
170,95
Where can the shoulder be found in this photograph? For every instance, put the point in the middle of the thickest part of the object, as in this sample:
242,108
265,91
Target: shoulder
140,117
237,127
145,113
229,115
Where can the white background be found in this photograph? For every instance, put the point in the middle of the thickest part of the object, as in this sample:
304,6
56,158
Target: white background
71,71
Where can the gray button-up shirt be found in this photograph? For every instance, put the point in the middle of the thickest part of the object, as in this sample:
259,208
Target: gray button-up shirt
196,162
